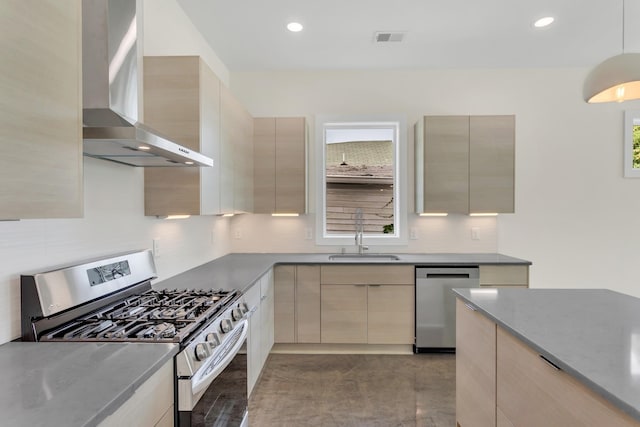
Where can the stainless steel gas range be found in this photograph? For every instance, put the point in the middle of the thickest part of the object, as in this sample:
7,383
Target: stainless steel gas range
111,299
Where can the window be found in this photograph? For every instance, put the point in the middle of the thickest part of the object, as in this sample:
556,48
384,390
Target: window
360,181
632,144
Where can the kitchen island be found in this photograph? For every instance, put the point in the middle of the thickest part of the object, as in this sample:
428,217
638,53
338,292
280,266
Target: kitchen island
85,384
550,356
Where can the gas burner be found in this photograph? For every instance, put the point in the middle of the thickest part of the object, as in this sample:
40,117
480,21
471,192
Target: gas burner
168,315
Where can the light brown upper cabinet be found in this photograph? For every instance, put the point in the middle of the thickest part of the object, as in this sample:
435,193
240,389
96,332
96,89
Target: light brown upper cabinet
41,103
280,165
182,101
465,164
236,156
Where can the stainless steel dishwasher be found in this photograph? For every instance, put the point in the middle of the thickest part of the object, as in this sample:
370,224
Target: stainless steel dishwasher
436,306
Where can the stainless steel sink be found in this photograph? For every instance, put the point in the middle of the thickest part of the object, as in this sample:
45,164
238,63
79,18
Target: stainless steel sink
364,257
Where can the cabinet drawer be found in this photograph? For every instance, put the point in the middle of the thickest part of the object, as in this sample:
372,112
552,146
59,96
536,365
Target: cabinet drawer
367,275
504,275
530,392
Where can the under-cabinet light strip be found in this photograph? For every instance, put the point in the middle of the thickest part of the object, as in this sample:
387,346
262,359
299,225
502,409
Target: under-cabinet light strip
434,214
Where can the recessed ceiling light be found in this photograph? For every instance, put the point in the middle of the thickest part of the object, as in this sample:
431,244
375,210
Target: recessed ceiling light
294,27
543,22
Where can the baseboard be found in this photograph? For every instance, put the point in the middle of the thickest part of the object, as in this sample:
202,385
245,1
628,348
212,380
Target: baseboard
342,349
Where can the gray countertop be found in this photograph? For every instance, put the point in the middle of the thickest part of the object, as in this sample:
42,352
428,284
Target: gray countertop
592,334
72,384
240,271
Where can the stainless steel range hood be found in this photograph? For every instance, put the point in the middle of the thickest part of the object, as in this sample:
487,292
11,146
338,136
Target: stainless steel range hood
112,83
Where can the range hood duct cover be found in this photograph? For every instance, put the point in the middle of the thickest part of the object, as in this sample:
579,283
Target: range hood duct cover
111,87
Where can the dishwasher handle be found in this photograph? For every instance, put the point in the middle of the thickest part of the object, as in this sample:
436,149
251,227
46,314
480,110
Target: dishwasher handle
447,276
453,272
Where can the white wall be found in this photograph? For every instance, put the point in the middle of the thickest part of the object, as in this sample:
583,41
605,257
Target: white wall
168,31
575,213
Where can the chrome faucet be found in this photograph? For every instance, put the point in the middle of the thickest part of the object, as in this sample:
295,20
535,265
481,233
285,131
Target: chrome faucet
359,222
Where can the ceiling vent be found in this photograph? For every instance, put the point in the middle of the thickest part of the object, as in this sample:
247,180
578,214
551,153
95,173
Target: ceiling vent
388,36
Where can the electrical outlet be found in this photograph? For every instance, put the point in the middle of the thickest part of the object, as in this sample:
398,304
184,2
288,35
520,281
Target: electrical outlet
237,234
156,247
475,233
413,234
308,233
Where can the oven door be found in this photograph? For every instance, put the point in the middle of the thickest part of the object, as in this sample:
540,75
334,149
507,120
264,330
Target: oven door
219,396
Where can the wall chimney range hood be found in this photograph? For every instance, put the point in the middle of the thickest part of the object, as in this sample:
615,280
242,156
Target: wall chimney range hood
111,84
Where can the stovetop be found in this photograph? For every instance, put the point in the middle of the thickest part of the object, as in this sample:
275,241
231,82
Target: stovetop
152,316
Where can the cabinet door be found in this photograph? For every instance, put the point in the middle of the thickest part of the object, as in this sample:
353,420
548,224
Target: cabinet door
475,368
41,104
264,166
531,392
209,140
491,164
290,176
391,314
226,150
284,303
343,314
252,299
267,316
446,164
172,106
243,160
151,404
308,303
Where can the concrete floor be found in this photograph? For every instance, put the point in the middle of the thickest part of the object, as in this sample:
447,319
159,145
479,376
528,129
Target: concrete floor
355,390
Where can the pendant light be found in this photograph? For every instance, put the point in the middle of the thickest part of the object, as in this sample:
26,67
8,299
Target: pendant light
616,79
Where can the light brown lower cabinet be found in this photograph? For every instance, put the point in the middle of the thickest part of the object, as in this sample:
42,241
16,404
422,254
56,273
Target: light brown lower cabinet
151,404
501,381
531,392
344,314
475,368
297,304
365,304
510,276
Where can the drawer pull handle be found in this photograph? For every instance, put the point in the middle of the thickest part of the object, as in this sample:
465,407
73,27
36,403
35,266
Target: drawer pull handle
359,285
550,363
375,286
470,307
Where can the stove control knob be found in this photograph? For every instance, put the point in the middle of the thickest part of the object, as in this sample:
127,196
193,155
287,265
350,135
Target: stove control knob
244,307
237,314
201,352
212,339
225,325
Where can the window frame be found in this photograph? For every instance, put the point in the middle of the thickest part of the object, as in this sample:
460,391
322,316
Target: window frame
398,122
631,119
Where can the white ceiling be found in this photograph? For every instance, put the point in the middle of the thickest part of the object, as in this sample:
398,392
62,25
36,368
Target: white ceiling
250,35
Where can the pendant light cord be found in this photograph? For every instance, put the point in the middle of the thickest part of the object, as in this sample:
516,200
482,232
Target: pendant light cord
623,2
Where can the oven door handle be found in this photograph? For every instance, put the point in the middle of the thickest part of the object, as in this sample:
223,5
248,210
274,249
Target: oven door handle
202,381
